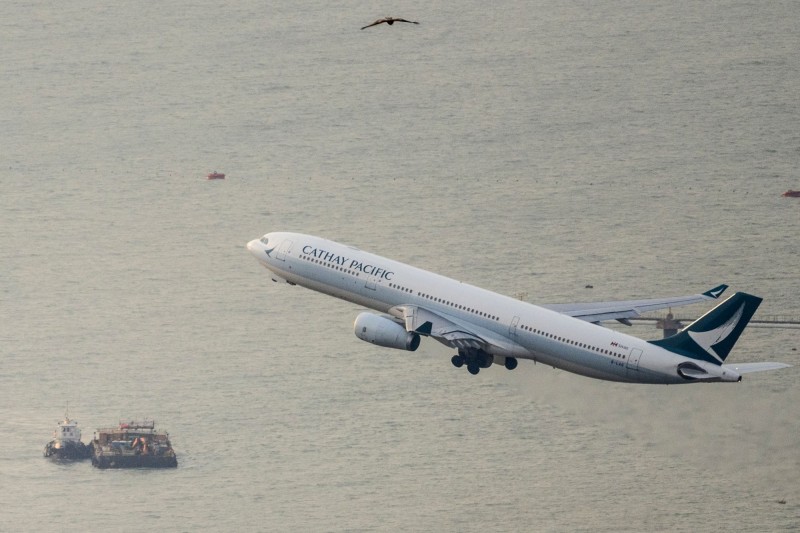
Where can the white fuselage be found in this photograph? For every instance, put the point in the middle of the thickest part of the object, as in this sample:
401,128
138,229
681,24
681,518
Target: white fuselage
527,331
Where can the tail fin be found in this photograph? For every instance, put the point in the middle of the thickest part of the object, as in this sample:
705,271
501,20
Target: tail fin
712,336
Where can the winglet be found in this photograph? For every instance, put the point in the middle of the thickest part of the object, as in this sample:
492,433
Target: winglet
716,292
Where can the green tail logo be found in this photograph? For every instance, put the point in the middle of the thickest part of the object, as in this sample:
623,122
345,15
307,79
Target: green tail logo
712,336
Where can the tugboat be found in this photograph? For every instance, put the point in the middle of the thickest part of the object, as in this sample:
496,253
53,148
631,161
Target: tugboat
66,444
133,445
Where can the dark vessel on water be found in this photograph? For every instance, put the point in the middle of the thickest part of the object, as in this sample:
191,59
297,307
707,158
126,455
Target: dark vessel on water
66,444
133,445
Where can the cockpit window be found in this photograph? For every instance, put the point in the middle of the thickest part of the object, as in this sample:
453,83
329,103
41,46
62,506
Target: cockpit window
264,240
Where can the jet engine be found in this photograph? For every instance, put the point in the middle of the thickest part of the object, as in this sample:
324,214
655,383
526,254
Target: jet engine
384,332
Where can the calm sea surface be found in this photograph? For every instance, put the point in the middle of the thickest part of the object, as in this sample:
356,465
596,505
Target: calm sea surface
533,147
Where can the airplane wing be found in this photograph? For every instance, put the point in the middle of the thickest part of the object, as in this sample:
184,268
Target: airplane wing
624,310
453,332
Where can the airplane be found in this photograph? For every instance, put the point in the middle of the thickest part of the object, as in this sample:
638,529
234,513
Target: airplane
489,328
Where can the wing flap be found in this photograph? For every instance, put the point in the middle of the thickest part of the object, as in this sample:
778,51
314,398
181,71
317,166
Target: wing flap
454,332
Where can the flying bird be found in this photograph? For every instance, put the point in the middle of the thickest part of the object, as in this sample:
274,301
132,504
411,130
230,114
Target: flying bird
389,21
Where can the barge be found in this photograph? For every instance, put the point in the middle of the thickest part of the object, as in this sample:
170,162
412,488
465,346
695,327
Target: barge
133,444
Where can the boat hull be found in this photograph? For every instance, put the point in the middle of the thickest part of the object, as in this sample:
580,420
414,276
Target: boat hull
67,451
104,461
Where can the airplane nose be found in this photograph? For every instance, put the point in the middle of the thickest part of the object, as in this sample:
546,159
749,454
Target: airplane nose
254,247
262,247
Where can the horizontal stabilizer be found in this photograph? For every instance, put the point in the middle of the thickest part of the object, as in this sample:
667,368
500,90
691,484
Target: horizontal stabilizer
745,368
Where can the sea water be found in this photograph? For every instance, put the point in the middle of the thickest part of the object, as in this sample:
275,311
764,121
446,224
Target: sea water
532,148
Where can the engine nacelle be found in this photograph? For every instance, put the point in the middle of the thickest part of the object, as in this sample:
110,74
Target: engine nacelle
384,332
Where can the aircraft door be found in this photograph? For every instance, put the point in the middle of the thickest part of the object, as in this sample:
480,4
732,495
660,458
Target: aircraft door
633,359
371,283
512,329
283,249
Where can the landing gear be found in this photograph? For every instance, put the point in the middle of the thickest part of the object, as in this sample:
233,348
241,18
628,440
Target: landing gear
458,360
474,359
477,359
463,357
